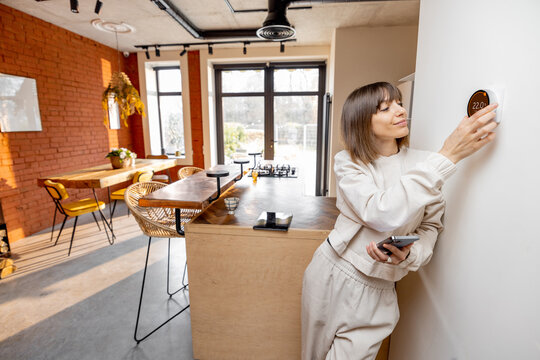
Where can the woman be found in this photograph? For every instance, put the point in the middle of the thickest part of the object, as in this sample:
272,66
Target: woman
349,302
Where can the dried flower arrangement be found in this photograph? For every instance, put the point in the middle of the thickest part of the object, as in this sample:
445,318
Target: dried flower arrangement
125,95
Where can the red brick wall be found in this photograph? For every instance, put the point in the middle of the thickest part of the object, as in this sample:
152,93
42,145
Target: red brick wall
196,107
71,73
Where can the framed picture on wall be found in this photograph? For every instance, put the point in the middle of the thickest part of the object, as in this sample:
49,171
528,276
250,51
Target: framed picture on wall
114,113
19,106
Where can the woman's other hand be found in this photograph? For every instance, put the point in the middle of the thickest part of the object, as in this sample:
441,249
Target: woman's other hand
397,256
471,135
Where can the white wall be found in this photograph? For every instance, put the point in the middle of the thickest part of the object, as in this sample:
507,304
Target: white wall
479,296
363,55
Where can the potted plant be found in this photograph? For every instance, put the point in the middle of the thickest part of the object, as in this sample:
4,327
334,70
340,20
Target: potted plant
125,95
121,158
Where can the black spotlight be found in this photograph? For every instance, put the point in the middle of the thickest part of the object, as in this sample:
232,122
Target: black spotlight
281,47
147,53
158,53
74,6
97,9
183,52
210,49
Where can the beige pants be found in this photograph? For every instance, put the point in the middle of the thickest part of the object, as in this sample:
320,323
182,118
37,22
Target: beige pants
345,314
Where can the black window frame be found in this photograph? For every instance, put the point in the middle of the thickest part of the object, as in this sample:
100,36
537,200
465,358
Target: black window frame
166,93
269,95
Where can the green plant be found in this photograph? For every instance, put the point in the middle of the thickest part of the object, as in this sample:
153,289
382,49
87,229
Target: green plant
122,154
234,135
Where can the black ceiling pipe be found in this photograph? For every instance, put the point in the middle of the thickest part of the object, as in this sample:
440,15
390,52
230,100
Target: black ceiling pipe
276,12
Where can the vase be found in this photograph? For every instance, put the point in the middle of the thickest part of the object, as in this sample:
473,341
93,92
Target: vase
117,163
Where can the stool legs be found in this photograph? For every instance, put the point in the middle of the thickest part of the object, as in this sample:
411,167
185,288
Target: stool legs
138,340
168,270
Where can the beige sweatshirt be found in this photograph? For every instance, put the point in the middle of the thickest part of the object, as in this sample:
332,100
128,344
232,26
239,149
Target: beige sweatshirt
394,195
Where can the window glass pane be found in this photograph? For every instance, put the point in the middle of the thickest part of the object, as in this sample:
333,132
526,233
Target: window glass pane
295,136
172,125
235,81
243,126
296,80
169,80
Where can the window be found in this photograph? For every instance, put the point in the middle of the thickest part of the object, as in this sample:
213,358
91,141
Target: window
274,108
165,110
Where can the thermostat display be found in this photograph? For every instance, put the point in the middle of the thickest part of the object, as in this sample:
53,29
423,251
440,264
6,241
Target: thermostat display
480,99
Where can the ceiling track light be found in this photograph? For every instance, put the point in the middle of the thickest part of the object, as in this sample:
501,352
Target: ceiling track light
281,47
210,45
183,52
99,4
74,6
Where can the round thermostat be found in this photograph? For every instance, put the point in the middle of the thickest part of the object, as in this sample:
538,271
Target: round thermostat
479,100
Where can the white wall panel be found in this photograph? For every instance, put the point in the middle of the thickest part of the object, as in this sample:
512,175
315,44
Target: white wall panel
479,296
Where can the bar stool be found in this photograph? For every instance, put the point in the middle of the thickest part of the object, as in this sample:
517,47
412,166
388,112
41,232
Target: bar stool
188,171
161,223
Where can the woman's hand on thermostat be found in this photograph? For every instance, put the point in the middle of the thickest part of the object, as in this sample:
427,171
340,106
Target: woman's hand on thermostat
471,135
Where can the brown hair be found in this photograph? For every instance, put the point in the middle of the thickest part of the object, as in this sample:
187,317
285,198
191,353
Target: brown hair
358,109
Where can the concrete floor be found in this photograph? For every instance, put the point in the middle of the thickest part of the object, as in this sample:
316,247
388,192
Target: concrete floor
84,306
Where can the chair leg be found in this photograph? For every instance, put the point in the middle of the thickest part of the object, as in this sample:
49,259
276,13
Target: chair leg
72,235
61,228
138,340
95,219
53,221
168,270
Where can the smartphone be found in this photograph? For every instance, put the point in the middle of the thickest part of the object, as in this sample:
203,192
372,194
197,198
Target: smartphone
397,241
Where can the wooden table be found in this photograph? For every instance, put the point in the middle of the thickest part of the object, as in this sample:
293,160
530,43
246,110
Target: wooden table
103,176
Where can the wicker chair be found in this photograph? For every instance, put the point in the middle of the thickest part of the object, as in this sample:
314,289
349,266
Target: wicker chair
188,171
164,178
156,222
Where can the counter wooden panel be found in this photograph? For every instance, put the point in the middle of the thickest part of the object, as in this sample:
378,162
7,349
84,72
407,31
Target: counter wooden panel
192,192
245,285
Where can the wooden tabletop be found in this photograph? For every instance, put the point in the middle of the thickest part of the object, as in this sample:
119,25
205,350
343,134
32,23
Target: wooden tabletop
192,192
271,194
103,176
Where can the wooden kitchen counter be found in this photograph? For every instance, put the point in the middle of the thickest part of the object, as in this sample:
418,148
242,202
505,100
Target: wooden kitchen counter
245,285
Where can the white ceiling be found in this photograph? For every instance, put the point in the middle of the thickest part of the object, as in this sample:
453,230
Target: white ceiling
153,26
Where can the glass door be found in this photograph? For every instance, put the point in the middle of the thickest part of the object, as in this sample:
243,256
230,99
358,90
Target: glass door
275,109
241,109
296,121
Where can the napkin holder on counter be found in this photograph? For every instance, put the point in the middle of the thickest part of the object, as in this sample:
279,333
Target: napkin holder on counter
269,220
